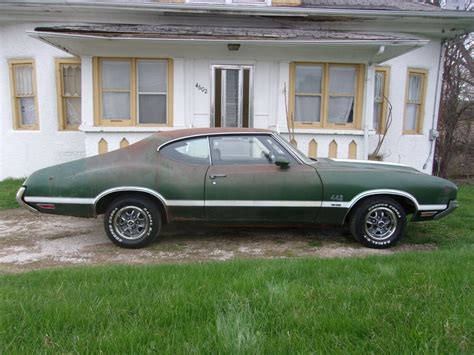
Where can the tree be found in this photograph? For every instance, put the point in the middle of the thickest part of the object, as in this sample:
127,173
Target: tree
456,113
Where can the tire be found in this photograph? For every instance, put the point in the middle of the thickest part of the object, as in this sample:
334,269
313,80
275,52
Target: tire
378,222
132,222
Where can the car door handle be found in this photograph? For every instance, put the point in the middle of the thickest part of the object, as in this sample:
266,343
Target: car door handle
214,176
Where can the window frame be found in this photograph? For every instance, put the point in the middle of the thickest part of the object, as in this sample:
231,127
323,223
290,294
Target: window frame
258,137
134,119
14,98
324,121
62,120
386,92
421,112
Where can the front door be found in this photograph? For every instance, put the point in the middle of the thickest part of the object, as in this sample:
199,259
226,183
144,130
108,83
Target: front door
244,184
232,96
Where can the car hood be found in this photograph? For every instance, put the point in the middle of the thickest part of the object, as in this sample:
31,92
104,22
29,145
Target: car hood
363,165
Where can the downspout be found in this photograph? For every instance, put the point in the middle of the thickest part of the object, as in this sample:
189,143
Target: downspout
434,134
366,121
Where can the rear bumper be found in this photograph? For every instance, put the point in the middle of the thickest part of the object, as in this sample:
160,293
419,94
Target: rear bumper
453,204
21,202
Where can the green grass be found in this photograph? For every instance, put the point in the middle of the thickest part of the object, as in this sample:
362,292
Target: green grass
8,189
404,303
455,230
398,304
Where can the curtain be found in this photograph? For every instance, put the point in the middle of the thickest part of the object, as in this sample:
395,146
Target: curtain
152,88
342,81
71,80
414,88
24,80
73,110
308,108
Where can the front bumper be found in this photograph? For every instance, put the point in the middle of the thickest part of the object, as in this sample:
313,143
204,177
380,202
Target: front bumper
452,205
21,202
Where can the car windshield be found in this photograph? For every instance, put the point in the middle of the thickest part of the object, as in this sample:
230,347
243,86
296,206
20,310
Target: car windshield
296,151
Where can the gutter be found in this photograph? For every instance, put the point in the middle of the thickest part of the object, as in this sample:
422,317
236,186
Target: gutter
236,9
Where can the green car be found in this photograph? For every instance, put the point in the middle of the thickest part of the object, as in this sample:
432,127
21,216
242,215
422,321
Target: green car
232,176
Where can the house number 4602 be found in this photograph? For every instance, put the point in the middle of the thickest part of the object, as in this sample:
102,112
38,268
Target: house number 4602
201,88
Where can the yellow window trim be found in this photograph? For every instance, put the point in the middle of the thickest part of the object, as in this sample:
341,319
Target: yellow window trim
358,96
99,121
421,111
386,93
62,124
15,109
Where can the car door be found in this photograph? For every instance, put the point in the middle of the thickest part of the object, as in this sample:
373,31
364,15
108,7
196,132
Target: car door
244,184
182,170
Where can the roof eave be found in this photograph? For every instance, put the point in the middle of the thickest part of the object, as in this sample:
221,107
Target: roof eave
394,42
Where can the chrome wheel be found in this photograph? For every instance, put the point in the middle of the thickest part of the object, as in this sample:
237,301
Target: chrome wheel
380,223
131,222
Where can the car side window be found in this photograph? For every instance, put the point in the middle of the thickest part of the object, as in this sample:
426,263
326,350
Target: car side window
245,149
191,151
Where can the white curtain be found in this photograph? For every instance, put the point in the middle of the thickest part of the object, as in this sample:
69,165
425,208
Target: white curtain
24,80
115,76
116,105
73,110
414,88
379,86
411,115
342,81
307,108
340,109
27,110
72,80
152,88
308,79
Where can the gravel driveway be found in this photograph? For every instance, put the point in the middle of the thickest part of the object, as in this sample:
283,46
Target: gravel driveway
29,242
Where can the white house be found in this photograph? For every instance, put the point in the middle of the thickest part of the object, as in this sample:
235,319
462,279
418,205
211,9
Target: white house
78,78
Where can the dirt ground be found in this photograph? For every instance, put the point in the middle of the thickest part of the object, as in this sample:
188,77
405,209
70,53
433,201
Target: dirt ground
29,242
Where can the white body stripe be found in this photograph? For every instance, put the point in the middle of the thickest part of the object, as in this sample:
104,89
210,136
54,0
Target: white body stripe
261,203
235,203
71,200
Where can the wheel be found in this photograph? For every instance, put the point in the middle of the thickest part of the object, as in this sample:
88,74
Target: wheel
132,222
378,222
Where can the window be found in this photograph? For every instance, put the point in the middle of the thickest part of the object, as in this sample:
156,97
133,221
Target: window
245,150
132,91
191,151
69,93
414,101
381,85
23,88
326,95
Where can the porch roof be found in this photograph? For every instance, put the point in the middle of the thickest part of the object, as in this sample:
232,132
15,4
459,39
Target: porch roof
74,38
227,33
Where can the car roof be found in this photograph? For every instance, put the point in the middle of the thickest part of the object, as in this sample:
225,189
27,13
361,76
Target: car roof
183,133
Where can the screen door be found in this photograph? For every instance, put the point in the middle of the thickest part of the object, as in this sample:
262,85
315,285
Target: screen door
232,96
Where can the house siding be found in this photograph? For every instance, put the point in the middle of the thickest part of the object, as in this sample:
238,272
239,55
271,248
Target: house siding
22,152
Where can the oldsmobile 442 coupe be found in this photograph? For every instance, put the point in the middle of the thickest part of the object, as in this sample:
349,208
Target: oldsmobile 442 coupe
235,176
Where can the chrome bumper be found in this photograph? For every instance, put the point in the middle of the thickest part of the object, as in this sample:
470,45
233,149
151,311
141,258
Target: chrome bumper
21,202
453,204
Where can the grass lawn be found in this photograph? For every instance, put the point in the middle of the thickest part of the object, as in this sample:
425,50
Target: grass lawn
405,303
8,189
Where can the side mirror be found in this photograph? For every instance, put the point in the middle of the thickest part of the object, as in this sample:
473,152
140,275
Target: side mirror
282,161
